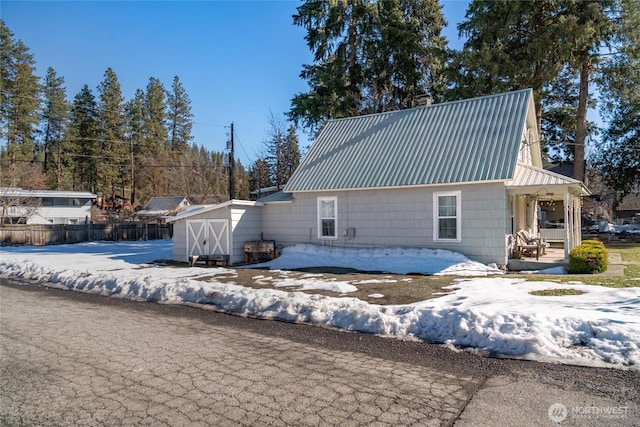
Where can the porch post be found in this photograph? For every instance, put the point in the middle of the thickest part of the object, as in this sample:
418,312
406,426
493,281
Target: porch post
568,229
577,211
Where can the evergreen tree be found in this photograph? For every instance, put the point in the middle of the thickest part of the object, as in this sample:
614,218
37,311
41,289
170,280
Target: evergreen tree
154,180
85,140
19,104
135,113
588,26
290,154
547,45
275,143
54,121
618,157
156,109
369,56
241,181
259,175
282,152
179,117
112,170
216,174
523,51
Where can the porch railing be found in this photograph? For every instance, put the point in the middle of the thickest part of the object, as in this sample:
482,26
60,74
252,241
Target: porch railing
552,234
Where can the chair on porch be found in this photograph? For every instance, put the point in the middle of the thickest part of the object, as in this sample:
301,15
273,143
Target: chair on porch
528,244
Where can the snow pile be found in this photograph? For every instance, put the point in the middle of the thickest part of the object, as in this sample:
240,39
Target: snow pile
496,316
388,260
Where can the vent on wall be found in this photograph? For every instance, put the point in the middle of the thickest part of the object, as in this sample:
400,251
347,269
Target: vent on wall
350,233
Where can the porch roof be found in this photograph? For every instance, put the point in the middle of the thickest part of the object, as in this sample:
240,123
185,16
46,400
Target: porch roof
529,179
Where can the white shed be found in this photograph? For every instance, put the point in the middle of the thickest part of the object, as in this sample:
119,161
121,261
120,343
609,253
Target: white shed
216,230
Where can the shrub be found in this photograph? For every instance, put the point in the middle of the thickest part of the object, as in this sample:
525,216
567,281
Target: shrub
594,243
590,257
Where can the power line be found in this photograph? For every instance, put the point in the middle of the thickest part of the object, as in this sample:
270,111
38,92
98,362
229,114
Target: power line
139,166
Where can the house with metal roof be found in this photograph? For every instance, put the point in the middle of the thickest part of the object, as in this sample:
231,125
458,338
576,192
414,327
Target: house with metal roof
159,207
464,176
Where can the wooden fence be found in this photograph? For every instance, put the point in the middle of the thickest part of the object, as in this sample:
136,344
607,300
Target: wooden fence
52,234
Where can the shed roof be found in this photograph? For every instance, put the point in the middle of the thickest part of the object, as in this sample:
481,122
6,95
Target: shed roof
462,141
200,209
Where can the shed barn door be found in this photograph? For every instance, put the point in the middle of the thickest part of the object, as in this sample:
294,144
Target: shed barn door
207,237
218,236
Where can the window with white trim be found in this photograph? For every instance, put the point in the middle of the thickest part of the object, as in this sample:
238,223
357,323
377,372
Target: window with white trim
327,217
446,216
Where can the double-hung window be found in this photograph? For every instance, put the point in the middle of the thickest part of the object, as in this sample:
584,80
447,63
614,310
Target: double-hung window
327,217
446,216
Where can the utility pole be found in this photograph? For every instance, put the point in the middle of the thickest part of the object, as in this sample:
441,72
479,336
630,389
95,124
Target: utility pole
232,180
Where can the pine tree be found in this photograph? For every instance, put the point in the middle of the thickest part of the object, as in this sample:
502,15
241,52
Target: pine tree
290,155
54,121
259,176
536,44
135,113
112,170
84,136
618,157
241,181
156,109
275,146
179,117
19,105
369,56
523,51
588,26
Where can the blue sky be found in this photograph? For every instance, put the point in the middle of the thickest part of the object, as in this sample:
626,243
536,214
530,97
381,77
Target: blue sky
237,60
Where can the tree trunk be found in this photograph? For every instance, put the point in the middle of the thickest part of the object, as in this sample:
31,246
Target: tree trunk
581,122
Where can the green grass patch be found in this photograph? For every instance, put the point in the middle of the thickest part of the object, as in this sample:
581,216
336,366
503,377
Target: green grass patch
556,292
628,251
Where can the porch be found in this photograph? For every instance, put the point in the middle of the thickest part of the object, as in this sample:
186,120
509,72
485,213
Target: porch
552,257
548,207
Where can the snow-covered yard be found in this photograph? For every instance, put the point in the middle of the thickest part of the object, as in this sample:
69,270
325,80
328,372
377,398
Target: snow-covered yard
486,312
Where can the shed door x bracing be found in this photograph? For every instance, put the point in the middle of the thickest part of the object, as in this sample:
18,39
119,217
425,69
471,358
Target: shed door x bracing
207,237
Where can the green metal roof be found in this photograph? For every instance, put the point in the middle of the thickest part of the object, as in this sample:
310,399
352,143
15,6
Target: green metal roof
280,196
462,141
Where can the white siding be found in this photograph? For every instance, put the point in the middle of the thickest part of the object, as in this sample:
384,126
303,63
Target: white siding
180,241
53,214
397,217
246,225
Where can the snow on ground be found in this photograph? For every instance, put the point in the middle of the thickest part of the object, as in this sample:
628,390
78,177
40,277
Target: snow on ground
491,315
388,260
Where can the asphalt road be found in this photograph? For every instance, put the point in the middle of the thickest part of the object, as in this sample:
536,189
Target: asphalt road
74,359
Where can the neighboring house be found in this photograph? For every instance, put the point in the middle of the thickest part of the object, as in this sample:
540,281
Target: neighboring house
157,208
628,210
45,206
463,176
